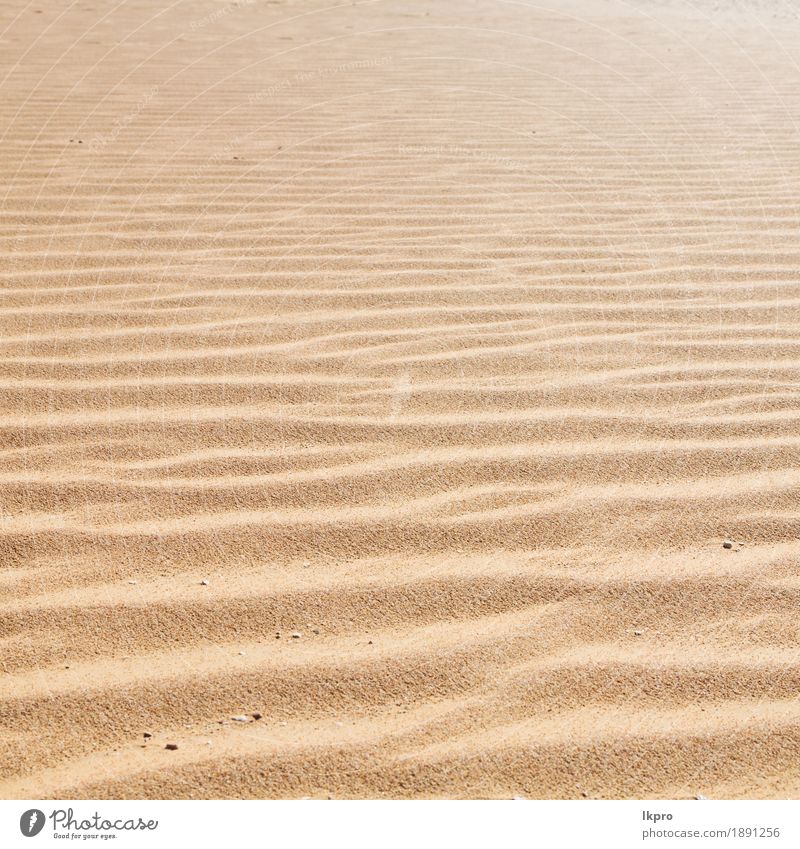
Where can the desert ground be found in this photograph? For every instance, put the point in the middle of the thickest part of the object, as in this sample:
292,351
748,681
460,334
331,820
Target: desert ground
400,399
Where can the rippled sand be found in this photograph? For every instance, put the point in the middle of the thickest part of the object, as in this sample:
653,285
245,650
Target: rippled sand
454,337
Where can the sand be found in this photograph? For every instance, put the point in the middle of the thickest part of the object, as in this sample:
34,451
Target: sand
454,338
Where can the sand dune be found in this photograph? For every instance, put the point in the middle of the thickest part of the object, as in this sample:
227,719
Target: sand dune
453,338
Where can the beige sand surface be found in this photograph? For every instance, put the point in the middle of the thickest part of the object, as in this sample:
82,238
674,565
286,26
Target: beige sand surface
453,336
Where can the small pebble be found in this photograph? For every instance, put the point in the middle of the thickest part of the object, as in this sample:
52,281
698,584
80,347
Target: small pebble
701,798
256,715
171,746
296,635
241,653
133,582
727,544
638,633
240,719
203,583
147,735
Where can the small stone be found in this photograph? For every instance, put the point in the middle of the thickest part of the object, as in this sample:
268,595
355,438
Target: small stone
240,719
133,582
241,653
256,715
296,635
204,583
638,633
147,735
315,630
171,746
701,798
727,544
584,794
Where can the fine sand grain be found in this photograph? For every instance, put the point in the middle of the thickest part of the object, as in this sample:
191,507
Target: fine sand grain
396,371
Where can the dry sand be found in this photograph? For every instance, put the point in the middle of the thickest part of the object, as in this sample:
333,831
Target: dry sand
453,336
